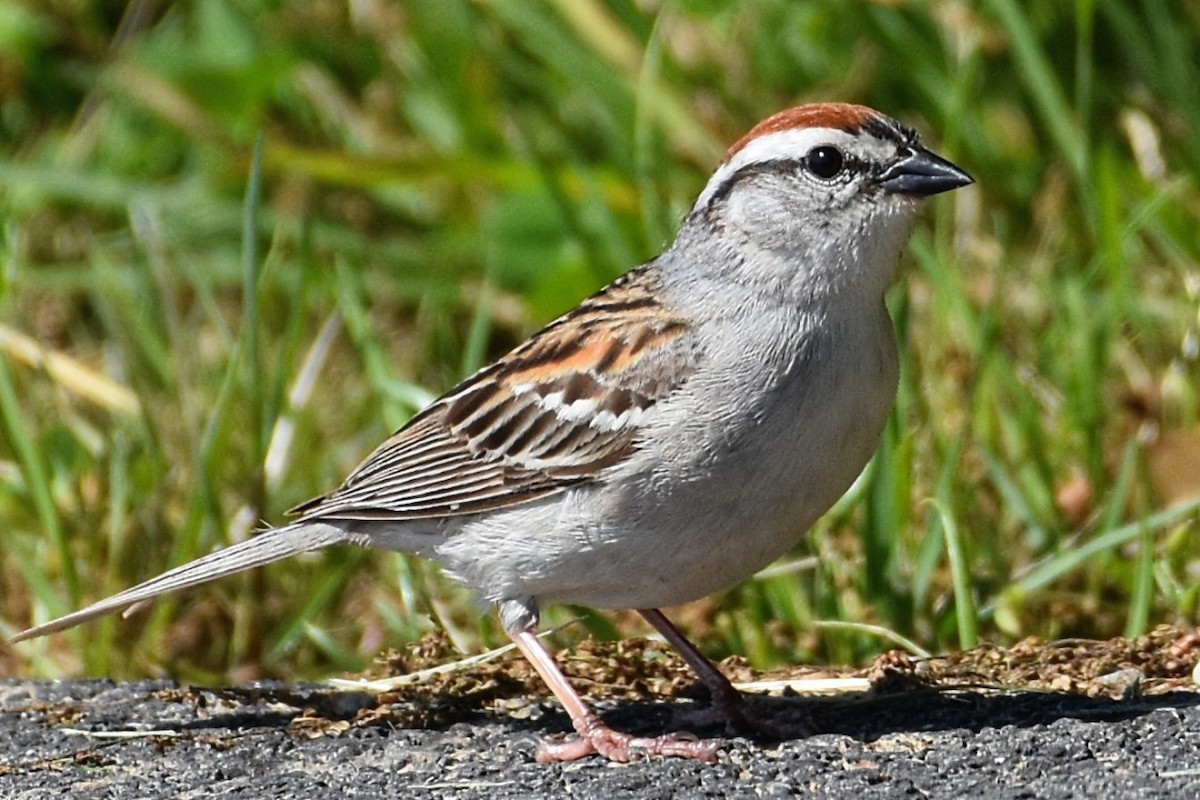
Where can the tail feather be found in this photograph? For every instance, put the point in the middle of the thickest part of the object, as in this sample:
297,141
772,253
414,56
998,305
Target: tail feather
266,548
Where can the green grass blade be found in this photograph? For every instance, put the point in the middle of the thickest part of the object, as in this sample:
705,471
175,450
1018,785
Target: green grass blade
1064,563
964,590
37,483
251,266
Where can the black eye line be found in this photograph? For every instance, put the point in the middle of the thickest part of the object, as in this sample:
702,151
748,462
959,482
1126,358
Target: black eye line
852,167
866,169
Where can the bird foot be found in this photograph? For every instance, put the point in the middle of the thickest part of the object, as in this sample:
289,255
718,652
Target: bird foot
596,738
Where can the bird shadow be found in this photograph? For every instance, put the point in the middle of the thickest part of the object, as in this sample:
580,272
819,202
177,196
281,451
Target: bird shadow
864,717
868,718
313,711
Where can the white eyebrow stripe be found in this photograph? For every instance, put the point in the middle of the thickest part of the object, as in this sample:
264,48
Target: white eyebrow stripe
776,146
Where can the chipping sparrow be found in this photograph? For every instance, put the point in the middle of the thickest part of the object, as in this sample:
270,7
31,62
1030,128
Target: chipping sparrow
676,432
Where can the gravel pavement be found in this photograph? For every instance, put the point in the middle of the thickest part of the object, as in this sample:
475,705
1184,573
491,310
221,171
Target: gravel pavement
100,739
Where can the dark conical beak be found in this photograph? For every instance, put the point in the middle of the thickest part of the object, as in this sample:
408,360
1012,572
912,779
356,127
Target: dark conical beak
922,173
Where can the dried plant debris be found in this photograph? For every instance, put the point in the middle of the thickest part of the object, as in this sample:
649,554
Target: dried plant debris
638,669
626,669
1159,662
629,670
632,669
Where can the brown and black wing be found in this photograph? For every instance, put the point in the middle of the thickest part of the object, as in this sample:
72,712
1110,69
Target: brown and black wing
554,412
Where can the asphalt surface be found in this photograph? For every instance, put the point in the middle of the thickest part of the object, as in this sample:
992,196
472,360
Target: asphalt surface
100,739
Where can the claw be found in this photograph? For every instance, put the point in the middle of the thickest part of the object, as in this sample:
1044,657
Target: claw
597,738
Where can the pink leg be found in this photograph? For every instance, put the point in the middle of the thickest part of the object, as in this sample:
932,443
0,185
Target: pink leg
728,705
594,735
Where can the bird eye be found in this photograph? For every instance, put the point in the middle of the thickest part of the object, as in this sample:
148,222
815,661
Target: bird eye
824,162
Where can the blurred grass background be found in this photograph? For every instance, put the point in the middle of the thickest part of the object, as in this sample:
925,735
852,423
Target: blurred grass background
182,356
